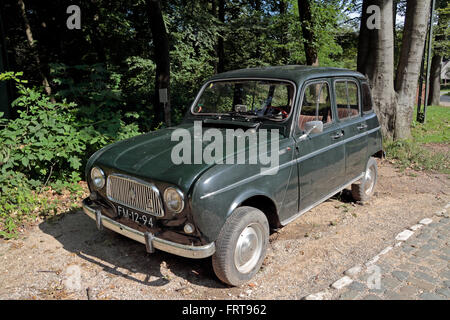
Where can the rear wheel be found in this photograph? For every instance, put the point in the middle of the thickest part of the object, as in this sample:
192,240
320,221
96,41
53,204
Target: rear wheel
363,190
241,246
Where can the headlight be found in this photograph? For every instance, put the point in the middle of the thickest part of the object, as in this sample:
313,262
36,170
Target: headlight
98,177
174,200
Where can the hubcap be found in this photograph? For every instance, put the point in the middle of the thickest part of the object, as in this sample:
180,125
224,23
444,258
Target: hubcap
369,180
248,248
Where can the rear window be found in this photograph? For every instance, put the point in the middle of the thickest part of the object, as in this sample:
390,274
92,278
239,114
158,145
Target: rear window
367,98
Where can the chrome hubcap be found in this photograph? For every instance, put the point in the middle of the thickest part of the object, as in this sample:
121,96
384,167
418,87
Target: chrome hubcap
248,248
369,180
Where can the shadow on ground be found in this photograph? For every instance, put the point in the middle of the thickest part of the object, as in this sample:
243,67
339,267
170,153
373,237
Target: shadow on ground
124,257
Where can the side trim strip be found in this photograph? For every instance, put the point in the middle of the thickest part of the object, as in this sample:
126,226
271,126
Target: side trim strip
256,176
312,154
287,221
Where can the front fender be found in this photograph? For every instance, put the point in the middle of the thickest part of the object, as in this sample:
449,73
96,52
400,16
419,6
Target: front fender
211,212
223,188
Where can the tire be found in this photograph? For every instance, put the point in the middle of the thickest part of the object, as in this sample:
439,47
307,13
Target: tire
364,190
232,263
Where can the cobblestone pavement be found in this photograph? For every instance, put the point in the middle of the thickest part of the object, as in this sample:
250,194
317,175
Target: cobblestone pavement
416,268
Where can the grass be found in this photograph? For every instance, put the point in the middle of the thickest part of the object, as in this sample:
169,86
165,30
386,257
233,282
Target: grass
436,129
429,147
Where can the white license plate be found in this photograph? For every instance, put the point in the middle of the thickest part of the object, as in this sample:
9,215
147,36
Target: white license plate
140,218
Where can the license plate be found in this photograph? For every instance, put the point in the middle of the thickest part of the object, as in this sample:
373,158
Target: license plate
140,218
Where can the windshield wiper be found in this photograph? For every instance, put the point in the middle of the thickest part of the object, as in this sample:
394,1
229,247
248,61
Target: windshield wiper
235,114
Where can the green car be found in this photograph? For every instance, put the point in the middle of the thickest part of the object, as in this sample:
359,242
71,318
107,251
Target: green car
257,149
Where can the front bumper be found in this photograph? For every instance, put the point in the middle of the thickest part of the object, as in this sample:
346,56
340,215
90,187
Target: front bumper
151,242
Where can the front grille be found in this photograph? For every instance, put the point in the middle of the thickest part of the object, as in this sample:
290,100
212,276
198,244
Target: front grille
135,194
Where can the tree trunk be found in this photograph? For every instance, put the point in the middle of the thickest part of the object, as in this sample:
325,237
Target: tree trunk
416,22
434,98
309,40
284,31
95,32
220,46
376,61
394,22
162,59
215,49
32,45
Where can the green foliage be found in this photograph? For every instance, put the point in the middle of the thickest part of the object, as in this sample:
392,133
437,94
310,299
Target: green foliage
429,148
48,143
101,113
442,29
413,155
325,17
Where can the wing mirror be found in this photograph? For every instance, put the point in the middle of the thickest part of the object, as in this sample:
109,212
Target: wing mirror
312,127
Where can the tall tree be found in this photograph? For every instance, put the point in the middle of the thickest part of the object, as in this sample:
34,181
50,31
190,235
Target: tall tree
414,34
376,61
309,39
220,41
394,100
31,43
162,59
441,49
282,7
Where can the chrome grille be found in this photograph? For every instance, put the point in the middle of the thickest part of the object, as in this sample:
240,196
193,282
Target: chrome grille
135,194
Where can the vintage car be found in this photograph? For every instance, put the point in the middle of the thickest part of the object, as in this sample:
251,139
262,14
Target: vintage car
327,138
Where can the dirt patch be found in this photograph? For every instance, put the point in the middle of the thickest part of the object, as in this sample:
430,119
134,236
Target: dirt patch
68,258
438,147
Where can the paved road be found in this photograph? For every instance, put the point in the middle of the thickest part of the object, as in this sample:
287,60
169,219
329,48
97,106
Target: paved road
417,269
445,100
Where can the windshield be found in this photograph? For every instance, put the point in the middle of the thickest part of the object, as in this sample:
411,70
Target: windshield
251,98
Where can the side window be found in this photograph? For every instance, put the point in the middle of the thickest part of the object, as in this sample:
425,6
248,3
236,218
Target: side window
340,87
367,103
347,99
316,105
353,98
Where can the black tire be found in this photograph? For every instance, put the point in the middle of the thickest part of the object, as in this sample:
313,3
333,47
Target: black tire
364,189
226,263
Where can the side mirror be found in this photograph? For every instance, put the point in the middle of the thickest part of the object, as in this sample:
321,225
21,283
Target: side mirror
312,127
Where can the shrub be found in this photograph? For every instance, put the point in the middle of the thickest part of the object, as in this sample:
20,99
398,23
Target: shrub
47,144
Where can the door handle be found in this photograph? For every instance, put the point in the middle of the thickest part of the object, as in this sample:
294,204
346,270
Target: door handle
338,135
362,126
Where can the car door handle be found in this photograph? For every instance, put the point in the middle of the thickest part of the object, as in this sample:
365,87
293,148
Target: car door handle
362,126
338,135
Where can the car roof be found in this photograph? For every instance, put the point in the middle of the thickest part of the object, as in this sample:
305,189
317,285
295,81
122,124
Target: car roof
295,73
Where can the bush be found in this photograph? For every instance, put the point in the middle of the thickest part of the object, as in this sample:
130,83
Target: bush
47,144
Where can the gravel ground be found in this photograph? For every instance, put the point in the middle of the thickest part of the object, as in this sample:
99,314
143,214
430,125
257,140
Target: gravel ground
67,258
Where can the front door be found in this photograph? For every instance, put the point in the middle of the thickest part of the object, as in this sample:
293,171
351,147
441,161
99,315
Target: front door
321,155
348,109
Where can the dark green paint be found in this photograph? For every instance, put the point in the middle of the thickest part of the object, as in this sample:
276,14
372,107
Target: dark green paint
309,170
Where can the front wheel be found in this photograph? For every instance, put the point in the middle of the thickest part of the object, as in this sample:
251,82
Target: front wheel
363,190
241,246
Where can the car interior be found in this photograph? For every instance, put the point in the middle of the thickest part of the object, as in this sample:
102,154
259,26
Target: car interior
316,105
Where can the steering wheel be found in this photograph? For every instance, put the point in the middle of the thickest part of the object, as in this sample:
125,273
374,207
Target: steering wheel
276,110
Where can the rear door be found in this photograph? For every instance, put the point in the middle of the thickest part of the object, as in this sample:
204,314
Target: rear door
347,97
320,157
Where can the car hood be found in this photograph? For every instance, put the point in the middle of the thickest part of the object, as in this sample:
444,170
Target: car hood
148,156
